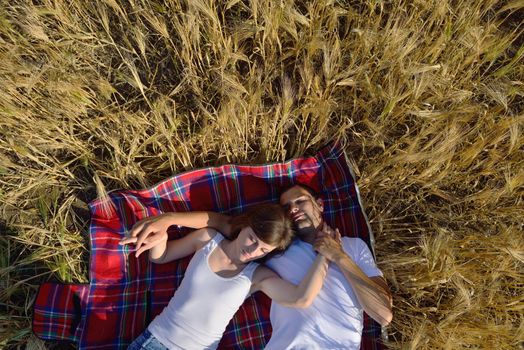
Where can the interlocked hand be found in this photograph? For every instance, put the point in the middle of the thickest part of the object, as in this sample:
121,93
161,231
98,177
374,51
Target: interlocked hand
328,242
148,233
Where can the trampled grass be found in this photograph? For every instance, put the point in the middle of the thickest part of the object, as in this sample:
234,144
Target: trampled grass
427,97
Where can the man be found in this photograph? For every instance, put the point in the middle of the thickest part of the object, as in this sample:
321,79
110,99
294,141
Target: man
353,283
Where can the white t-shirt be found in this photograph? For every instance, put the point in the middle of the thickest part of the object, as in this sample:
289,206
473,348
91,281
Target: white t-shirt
204,303
335,318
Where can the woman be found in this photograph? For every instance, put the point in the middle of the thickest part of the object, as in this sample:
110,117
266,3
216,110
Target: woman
221,274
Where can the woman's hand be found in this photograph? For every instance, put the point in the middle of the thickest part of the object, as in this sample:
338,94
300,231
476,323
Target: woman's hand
148,233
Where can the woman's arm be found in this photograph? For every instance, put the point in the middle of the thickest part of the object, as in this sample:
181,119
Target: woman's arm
152,229
287,293
191,219
180,248
161,250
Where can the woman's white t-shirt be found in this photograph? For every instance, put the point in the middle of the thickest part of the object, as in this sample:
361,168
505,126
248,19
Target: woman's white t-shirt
204,303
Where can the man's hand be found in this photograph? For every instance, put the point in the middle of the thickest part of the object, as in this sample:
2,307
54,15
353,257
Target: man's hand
329,243
148,233
372,292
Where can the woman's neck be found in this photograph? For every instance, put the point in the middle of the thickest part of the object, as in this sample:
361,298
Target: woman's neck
229,252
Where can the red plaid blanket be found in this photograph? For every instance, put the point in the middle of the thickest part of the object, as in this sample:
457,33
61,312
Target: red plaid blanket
125,293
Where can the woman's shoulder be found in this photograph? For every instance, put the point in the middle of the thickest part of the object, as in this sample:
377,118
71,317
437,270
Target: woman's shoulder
205,235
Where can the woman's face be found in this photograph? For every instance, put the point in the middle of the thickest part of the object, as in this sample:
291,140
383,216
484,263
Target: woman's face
250,247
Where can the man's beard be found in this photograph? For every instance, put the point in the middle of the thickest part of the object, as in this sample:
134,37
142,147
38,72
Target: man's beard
305,226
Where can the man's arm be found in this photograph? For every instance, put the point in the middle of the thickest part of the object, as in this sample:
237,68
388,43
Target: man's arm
372,292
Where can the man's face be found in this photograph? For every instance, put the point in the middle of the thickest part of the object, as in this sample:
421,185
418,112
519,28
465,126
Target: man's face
304,211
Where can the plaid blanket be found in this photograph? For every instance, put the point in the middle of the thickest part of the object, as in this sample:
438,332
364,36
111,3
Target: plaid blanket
125,293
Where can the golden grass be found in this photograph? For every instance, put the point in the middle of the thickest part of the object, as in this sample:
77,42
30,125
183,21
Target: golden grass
427,97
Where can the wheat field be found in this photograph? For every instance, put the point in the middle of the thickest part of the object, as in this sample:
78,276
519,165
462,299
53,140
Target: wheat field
426,97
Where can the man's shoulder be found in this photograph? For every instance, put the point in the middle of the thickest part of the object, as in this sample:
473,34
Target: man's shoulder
294,246
354,245
292,252
353,242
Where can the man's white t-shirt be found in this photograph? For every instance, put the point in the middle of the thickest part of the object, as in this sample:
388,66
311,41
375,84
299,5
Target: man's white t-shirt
335,319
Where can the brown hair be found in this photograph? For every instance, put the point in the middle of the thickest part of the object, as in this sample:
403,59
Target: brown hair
269,222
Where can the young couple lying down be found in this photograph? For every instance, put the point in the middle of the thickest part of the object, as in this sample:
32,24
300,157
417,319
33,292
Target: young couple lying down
319,283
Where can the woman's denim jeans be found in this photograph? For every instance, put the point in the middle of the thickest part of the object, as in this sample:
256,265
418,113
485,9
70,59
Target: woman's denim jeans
146,340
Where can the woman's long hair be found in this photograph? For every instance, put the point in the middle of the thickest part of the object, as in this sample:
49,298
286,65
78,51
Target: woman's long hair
269,222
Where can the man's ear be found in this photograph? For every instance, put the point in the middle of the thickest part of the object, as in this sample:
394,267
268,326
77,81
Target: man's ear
320,204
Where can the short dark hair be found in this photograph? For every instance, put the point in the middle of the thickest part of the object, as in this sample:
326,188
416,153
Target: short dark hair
308,188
